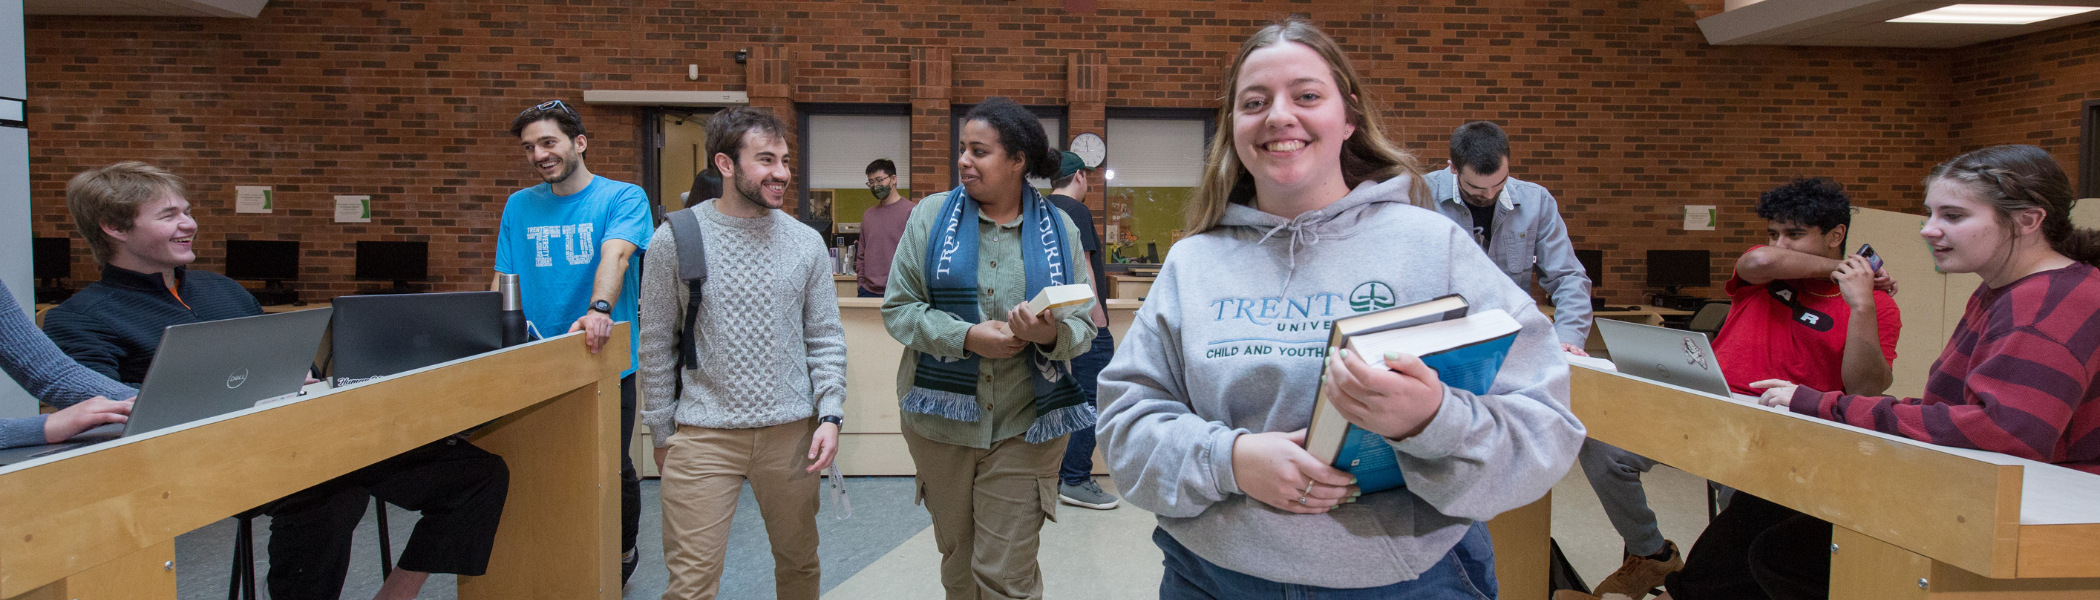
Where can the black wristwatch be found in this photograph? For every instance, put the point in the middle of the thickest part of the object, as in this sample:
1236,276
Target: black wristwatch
839,421
601,306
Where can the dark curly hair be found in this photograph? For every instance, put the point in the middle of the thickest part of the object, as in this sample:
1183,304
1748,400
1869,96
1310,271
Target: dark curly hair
1020,134
1816,202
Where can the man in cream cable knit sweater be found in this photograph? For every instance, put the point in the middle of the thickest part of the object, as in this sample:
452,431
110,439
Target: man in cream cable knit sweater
766,401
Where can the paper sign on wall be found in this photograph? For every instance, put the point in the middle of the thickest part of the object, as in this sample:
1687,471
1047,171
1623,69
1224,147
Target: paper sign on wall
1701,217
252,199
353,209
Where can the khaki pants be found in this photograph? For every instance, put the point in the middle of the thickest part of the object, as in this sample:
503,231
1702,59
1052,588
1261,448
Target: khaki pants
988,508
704,472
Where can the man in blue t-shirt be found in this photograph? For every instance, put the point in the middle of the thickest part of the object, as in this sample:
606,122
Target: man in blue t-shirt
569,241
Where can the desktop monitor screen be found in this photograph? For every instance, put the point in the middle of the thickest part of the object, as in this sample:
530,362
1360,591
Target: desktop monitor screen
1592,265
267,260
393,261
53,257
1680,268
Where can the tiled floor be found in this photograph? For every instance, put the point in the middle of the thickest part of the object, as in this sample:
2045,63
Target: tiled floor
886,549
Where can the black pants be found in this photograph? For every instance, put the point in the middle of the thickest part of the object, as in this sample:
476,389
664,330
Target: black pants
1757,549
458,487
630,482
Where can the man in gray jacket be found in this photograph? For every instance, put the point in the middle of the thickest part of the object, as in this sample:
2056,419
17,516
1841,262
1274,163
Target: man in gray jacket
1517,223
766,399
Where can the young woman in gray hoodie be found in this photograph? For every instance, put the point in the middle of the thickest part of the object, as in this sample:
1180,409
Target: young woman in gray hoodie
1307,213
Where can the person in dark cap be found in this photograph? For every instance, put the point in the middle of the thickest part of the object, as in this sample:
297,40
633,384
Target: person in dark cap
1076,479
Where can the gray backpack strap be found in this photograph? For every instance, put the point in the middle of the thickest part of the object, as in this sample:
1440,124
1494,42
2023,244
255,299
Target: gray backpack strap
692,267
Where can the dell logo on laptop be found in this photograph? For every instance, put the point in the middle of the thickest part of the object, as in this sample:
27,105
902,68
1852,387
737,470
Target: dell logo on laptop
236,378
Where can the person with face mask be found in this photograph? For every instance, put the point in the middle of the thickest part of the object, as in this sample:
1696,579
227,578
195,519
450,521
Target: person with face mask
881,226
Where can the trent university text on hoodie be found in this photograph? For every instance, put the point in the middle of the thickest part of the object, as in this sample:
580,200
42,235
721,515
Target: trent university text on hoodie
1231,340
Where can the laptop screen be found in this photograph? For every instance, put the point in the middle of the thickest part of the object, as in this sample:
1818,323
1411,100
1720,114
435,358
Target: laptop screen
380,335
1673,356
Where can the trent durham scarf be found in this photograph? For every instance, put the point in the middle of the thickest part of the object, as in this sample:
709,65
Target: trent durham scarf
947,387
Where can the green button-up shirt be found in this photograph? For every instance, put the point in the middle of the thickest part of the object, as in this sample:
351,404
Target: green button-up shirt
1005,392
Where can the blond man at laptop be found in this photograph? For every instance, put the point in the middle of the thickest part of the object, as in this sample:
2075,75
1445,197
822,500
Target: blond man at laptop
137,221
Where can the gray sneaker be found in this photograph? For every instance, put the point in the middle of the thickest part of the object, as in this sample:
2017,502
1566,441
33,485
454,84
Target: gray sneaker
1087,495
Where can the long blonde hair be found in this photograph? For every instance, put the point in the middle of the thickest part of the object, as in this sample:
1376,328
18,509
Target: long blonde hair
1366,156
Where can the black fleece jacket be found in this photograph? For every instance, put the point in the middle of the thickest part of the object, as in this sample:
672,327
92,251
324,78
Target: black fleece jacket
113,326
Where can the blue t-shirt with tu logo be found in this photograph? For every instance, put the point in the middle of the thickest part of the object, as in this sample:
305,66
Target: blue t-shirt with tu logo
551,243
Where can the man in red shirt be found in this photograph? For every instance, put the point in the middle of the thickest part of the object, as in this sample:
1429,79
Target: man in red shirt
1792,319
1803,311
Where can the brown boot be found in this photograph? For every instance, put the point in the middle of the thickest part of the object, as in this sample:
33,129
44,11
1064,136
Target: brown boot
1639,574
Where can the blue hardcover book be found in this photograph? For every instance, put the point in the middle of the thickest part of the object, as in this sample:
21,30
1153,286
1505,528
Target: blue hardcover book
1466,350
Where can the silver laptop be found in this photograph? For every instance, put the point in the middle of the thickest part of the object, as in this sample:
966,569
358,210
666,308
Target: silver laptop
204,370
1673,356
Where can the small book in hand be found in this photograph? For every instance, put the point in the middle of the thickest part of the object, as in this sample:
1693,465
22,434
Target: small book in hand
1061,300
1466,350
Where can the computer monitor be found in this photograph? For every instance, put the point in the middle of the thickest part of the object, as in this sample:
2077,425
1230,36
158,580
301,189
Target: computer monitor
53,263
54,258
265,260
270,261
1675,269
399,262
1592,265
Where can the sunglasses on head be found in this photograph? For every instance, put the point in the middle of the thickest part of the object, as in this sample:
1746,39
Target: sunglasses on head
551,105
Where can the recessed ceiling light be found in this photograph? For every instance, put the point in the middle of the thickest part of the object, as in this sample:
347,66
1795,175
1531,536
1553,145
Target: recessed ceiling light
1993,14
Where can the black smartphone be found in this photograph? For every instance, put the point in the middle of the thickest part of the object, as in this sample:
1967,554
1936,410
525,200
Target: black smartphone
1873,258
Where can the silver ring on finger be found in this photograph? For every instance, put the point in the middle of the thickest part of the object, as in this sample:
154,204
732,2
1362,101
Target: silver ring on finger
1302,501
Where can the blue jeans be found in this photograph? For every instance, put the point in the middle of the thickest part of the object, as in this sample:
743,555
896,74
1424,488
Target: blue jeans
1086,369
1465,573
862,292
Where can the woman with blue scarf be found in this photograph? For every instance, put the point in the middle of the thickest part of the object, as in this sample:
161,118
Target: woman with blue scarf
986,389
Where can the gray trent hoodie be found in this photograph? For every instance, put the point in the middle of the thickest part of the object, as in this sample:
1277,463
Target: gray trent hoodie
1231,340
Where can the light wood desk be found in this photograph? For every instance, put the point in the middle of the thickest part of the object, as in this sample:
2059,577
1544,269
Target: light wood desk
1643,314
848,286
279,308
285,308
100,522
1910,519
1126,286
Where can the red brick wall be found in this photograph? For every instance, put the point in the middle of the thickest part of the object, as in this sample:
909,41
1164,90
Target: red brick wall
1619,107
2026,90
